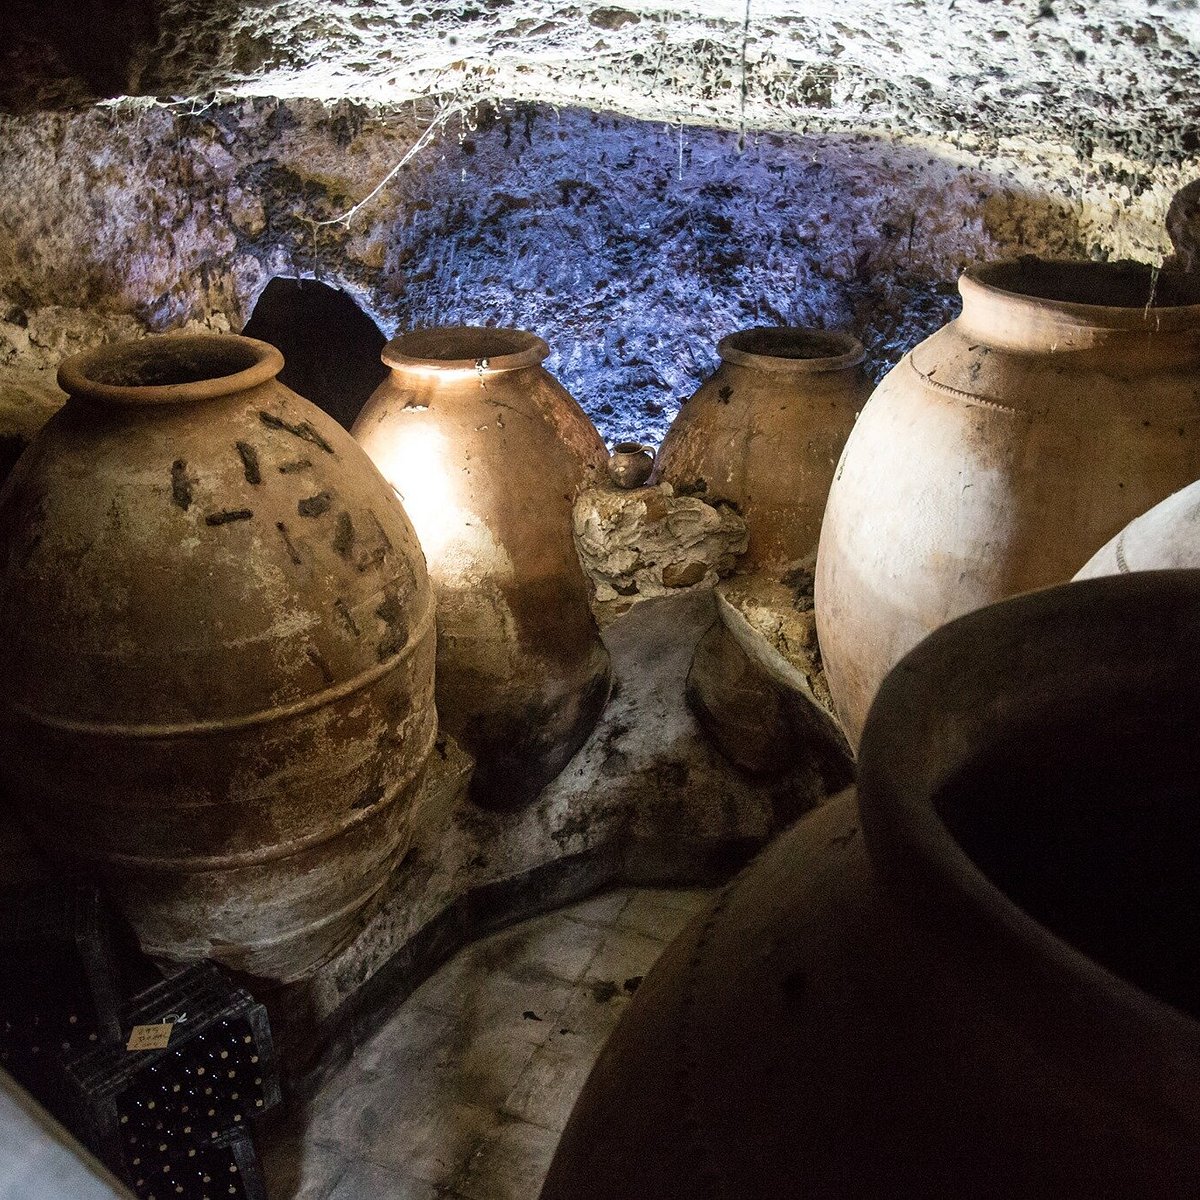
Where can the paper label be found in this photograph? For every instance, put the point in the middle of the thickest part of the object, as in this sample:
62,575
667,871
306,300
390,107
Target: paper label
150,1037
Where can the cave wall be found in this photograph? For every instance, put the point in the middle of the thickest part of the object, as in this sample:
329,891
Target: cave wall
631,245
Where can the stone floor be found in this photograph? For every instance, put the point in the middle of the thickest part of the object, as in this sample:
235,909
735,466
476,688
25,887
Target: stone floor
464,1092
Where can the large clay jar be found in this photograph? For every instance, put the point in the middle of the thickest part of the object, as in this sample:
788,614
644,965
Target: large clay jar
217,646
976,978
1002,452
1168,536
487,450
764,433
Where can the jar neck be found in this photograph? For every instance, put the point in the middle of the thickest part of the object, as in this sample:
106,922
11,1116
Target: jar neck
169,369
1158,336
459,352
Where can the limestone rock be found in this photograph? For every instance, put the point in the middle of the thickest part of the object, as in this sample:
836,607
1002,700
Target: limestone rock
650,542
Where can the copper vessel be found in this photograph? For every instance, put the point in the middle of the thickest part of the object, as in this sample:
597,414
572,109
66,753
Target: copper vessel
217,640
976,977
487,452
1002,452
764,433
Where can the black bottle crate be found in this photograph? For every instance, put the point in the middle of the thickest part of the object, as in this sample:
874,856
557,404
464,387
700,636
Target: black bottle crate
187,1104
59,983
225,1169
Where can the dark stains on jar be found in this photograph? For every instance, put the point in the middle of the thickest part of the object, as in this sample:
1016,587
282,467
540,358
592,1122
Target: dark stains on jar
303,430
391,613
229,515
343,535
317,661
181,485
250,467
315,506
346,617
293,553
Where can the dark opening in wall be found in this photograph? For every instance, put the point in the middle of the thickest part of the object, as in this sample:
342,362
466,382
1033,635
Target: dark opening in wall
329,345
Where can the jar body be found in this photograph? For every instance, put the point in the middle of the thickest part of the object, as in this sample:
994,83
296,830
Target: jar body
1165,538
219,637
864,1012
996,457
488,462
764,433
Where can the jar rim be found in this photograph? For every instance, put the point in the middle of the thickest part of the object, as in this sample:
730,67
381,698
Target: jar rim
915,718
170,368
1121,294
791,348
466,348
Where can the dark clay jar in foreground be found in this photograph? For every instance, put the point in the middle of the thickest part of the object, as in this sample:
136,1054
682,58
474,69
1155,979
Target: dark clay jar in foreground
976,977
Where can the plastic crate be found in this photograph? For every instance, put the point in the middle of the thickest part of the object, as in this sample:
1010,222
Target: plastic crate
161,1118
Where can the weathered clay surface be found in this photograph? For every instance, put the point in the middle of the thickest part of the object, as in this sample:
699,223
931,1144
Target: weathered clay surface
487,451
217,641
650,542
648,799
1059,406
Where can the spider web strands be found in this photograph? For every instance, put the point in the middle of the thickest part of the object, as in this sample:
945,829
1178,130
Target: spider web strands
431,131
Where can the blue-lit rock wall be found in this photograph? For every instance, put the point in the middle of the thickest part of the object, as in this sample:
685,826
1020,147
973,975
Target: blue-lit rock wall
631,246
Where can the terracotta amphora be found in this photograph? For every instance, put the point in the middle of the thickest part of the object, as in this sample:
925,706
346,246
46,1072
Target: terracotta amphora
488,451
976,977
1002,452
1168,536
764,433
217,642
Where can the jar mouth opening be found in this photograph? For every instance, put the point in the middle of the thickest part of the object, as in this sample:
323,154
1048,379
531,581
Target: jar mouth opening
170,369
629,448
791,348
466,348
1027,764
1123,284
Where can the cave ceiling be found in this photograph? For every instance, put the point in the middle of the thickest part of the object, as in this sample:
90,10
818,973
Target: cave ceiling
1114,74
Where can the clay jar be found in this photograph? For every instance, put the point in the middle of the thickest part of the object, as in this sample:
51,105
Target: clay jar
764,433
217,641
630,464
1002,452
488,451
1167,536
975,978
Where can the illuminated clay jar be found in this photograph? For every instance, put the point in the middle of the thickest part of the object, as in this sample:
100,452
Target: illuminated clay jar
1002,452
487,452
217,642
765,432
975,978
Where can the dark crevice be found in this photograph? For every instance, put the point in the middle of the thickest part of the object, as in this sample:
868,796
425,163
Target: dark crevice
329,345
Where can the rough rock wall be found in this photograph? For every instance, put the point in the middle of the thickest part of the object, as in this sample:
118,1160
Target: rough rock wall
632,246
1118,74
